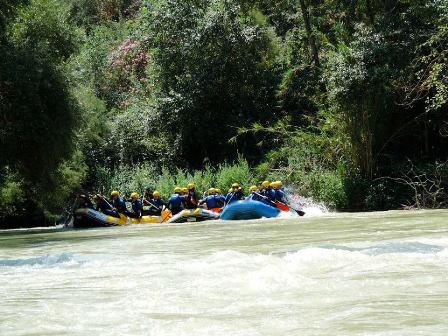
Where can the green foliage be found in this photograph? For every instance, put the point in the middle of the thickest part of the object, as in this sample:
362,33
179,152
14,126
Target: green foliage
41,27
38,111
11,193
166,92
130,178
234,173
214,69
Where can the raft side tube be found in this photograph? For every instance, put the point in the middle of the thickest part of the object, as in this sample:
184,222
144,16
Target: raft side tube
244,210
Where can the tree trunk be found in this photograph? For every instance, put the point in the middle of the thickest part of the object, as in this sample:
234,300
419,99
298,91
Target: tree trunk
370,12
311,40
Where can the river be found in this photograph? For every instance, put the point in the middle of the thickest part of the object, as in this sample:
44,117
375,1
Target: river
383,273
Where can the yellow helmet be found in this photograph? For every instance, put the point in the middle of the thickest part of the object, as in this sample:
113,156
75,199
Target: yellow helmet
177,190
134,196
217,190
253,188
235,185
191,186
211,191
114,193
272,185
265,184
230,190
278,184
156,194
184,190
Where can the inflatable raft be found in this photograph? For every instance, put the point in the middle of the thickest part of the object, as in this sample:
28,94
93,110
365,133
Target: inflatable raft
194,215
248,210
87,218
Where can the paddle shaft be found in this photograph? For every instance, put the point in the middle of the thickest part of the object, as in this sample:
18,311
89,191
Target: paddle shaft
299,212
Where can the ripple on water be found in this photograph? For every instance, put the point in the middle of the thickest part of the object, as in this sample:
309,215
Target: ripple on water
46,260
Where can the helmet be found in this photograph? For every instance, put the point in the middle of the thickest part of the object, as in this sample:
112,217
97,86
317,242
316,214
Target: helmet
218,191
211,191
114,193
191,186
278,184
156,194
273,185
184,190
235,185
253,188
134,195
230,190
265,184
177,190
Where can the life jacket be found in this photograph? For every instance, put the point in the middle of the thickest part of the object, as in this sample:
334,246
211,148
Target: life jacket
158,202
280,196
137,206
234,196
175,202
119,204
269,193
220,200
211,202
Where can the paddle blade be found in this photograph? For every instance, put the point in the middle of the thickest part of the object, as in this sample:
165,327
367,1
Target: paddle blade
281,206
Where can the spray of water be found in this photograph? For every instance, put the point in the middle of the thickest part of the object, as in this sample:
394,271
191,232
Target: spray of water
308,205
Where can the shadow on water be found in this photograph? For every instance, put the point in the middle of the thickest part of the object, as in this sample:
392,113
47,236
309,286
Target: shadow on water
57,235
386,248
47,260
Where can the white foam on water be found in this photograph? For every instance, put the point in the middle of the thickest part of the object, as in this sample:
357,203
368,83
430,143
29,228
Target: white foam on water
272,278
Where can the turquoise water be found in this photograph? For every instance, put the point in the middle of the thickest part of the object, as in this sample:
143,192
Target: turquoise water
337,274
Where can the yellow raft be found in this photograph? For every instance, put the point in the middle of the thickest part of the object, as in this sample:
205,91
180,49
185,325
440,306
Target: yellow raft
87,218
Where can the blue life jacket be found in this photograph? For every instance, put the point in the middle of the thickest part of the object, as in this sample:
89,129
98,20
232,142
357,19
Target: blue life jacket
119,204
159,203
211,202
220,200
269,193
260,198
137,206
234,196
175,202
280,196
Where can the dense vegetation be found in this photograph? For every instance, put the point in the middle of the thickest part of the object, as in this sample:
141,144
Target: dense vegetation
346,100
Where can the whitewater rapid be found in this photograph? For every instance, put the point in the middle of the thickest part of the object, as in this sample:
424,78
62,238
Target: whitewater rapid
341,274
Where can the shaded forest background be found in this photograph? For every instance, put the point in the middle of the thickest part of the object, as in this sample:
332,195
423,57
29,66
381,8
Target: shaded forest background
345,101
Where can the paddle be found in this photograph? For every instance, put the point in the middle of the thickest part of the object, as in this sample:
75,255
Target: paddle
299,212
280,205
149,203
105,200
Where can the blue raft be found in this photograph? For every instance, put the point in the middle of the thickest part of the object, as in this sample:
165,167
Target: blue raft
248,210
